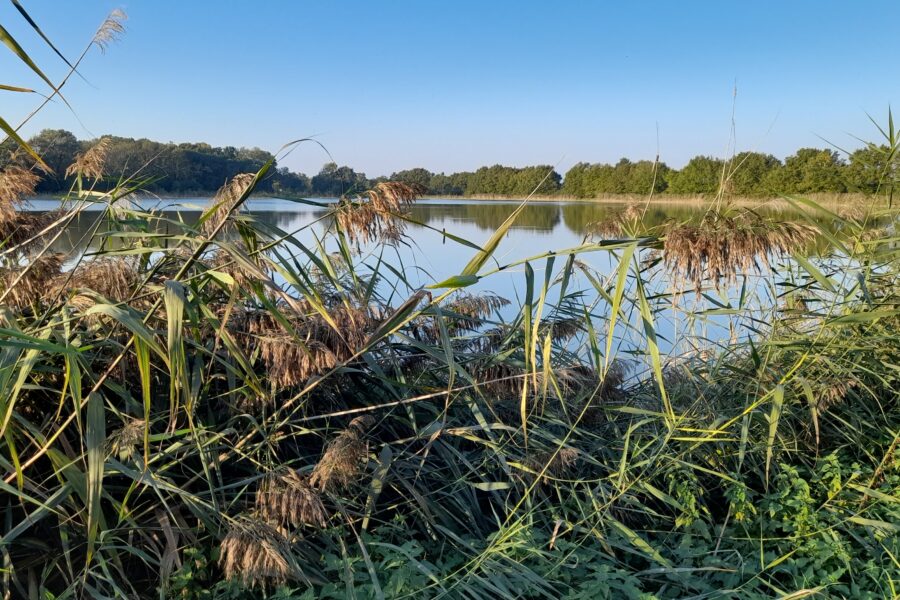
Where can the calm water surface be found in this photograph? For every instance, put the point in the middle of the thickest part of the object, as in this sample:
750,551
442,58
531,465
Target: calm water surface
428,256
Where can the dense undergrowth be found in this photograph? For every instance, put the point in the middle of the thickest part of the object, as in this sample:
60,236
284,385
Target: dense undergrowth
228,410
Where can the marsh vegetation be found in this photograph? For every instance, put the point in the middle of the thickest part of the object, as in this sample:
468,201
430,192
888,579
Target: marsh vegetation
219,407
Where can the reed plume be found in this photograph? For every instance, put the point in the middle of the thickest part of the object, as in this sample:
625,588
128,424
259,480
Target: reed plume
721,247
111,277
225,201
15,183
555,465
25,287
313,346
90,164
373,216
286,498
344,457
255,554
110,30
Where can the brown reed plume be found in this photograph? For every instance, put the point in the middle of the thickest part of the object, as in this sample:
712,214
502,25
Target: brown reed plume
225,200
255,554
313,346
618,223
558,464
123,442
15,183
344,457
26,286
90,164
111,277
373,216
286,498
722,246
465,313
110,30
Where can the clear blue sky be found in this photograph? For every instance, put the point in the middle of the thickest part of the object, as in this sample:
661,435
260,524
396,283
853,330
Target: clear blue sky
455,85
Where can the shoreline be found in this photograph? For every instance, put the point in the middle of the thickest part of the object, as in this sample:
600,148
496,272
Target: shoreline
825,199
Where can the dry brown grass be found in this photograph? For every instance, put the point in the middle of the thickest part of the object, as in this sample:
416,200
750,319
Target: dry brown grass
256,554
344,457
723,246
286,498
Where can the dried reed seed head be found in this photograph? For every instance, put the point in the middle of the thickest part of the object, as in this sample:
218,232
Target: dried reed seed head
111,277
563,329
110,30
558,464
374,218
394,196
617,223
123,442
26,286
15,183
226,200
477,306
344,457
255,554
27,229
286,498
721,247
244,274
313,347
89,164
834,391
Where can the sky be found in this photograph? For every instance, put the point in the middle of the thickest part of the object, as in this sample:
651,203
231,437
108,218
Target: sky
452,86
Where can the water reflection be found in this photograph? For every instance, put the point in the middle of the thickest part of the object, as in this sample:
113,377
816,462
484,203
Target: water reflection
562,221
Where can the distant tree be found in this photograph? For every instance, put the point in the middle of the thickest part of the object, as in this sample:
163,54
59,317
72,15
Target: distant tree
748,171
810,170
454,184
575,182
58,148
873,169
417,176
333,181
702,175
644,176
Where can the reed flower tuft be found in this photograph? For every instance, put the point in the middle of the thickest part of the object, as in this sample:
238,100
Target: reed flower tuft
374,215
15,182
26,286
111,277
110,30
722,246
90,163
344,457
255,554
226,200
286,498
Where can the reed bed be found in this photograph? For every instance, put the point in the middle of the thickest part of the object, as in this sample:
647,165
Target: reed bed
223,411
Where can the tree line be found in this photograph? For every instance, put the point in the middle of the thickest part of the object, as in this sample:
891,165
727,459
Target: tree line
199,168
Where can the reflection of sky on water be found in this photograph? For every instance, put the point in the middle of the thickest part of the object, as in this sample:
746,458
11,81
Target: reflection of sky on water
428,256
